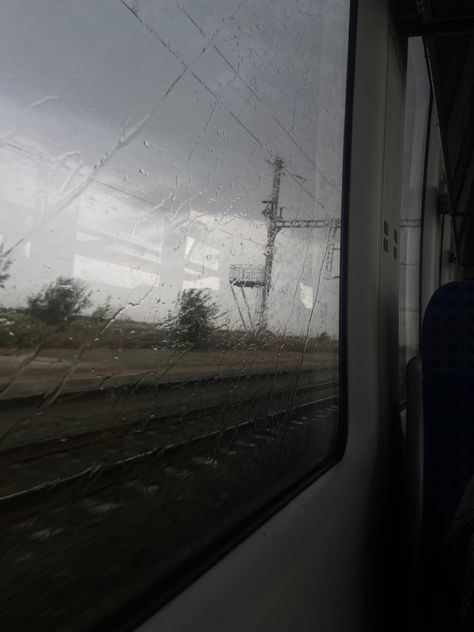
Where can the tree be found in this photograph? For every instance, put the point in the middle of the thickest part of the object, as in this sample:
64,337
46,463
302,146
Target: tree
5,264
194,319
102,312
60,302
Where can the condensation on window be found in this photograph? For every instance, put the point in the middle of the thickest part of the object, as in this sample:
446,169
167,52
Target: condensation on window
417,105
169,284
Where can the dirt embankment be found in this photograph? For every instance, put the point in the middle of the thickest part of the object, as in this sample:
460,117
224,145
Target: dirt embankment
165,365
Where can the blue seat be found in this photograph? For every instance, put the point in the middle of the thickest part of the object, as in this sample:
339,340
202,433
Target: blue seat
447,351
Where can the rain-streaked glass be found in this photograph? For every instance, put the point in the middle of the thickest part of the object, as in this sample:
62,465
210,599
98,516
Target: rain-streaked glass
169,284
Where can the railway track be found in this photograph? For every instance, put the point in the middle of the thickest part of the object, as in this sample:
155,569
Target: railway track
40,449
81,418
100,474
133,521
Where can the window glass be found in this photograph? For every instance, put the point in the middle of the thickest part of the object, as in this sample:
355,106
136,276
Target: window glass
169,290
417,105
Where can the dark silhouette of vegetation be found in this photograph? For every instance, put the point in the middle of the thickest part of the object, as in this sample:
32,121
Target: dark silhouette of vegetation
103,312
60,302
5,264
194,319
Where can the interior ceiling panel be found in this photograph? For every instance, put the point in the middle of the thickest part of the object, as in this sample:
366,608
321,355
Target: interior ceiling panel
448,31
442,10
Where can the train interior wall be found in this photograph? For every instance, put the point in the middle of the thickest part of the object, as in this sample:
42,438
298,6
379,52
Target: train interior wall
333,558
319,563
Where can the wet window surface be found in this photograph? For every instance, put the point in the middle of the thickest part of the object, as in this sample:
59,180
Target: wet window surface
169,284
417,103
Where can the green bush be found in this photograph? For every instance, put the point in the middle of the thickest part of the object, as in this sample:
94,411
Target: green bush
59,302
21,331
5,264
194,320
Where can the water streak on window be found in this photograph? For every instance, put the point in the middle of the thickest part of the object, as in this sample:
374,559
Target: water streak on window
169,284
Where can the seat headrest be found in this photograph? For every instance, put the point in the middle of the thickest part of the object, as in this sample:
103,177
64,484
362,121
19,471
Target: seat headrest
447,338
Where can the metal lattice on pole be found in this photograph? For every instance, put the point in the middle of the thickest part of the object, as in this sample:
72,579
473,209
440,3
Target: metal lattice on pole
260,277
246,275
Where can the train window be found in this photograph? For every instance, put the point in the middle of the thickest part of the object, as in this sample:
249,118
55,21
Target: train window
417,108
169,289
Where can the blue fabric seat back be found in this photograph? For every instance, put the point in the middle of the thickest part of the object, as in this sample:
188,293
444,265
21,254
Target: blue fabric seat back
447,350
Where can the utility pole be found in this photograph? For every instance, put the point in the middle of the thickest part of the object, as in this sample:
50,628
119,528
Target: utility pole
272,211
251,276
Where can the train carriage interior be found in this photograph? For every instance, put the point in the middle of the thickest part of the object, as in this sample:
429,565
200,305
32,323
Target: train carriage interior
237,315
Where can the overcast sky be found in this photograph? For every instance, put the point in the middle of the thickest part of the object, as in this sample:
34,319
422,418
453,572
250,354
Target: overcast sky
136,142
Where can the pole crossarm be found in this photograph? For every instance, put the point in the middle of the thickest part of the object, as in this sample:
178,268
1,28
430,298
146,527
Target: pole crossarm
260,277
307,223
